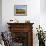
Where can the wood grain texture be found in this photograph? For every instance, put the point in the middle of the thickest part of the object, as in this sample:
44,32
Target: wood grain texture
23,27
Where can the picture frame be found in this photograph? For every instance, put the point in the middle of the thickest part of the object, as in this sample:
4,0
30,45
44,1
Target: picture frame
20,10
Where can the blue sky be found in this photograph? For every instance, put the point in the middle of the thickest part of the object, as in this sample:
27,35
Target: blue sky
20,6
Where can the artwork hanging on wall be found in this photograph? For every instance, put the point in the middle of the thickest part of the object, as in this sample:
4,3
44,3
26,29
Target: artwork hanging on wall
20,10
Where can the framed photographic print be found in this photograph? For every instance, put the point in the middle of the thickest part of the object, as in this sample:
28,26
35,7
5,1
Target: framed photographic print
20,10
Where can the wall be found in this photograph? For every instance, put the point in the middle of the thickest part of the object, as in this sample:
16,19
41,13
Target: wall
0,15
33,11
43,14
34,14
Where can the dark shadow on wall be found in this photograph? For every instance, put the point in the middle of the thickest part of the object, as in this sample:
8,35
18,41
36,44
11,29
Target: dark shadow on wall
0,15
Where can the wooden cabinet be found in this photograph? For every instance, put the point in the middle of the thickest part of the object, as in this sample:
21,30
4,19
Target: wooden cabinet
22,33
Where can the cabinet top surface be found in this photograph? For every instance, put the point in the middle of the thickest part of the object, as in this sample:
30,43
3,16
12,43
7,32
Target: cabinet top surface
19,23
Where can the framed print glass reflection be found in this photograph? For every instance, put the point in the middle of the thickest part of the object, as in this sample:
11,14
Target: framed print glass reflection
20,10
